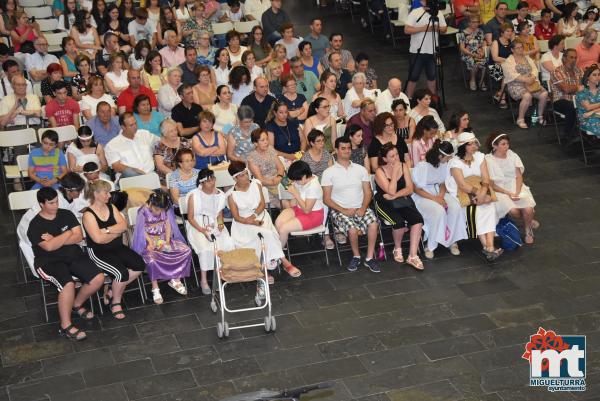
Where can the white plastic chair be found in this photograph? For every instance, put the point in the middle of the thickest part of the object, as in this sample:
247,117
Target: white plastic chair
39,12
10,139
148,181
31,3
66,133
221,28
543,44
571,42
48,25
55,41
223,178
245,26
20,201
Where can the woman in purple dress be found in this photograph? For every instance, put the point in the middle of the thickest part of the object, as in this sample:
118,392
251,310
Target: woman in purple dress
158,240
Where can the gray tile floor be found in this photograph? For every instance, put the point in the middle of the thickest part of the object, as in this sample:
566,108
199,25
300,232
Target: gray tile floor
453,332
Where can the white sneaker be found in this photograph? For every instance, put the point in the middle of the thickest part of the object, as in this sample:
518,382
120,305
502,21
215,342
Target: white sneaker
428,253
454,249
156,297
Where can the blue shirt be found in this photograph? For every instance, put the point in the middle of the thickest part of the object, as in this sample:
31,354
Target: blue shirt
153,125
319,45
102,135
184,186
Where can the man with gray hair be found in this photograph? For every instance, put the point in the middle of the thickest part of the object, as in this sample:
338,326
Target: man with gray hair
19,109
588,51
172,54
393,92
36,63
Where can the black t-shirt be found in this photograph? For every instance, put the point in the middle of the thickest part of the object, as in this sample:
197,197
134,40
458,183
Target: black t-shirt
64,220
375,147
261,109
187,117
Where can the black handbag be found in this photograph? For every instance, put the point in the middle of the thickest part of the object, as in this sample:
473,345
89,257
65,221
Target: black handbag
404,201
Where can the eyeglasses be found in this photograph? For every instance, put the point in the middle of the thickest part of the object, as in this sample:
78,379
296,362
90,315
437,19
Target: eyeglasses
390,125
302,85
327,106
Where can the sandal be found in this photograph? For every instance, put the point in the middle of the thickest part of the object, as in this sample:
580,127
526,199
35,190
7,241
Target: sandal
498,96
415,262
535,224
397,252
473,86
72,335
529,236
270,279
107,296
156,296
178,286
117,313
205,289
329,244
541,121
340,238
83,312
503,104
521,123
292,270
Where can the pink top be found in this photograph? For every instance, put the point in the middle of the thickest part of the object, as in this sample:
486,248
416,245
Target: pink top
418,149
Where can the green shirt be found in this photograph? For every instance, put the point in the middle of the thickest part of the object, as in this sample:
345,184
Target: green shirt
512,4
306,86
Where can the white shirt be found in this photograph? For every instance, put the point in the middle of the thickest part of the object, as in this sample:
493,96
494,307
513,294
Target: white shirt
7,89
221,75
255,8
385,99
351,96
290,48
33,104
91,103
312,190
140,31
417,38
137,152
556,62
237,95
346,184
36,61
236,58
119,81
167,99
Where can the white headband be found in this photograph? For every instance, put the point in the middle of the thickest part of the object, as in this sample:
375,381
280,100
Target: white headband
93,171
496,139
90,136
240,172
201,180
446,154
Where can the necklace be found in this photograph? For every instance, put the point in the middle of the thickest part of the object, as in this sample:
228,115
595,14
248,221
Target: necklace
288,134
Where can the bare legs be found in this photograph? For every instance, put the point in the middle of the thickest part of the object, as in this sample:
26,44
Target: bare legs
118,288
415,237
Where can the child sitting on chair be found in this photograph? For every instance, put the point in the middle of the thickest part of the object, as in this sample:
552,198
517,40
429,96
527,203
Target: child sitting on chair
158,240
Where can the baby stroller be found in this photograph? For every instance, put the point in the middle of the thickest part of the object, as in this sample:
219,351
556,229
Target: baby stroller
240,266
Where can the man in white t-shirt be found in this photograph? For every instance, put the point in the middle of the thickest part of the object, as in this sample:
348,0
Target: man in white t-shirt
347,192
142,28
393,92
131,152
422,36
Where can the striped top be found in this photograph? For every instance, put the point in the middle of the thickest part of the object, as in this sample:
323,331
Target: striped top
47,165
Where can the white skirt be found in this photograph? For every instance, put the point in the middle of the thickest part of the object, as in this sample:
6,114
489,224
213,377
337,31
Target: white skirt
485,218
246,236
205,249
505,204
441,226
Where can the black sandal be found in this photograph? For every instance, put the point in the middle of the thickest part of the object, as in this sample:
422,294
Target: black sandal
66,332
83,312
117,313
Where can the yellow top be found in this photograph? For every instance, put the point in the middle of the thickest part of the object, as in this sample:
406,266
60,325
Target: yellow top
155,81
487,10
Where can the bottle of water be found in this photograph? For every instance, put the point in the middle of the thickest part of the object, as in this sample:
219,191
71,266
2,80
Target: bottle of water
381,255
534,117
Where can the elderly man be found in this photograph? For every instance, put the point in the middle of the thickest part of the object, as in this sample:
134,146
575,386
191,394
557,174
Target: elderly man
588,51
347,192
111,45
344,78
272,19
11,69
566,82
126,98
307,82
104,125
259,101
131,153
336,40
36,63
55,234
19,109
172,54
185,113
318,41
387,97
364,119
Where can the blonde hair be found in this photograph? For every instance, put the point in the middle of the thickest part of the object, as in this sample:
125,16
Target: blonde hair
96,186
270,67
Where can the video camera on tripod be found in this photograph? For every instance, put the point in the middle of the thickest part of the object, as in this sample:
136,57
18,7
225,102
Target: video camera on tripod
435,6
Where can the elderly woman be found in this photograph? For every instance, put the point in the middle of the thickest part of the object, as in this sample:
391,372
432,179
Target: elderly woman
183,180
405,125
552,59
154,75
320,119
284,134
384,131
499,52
196,26
95,94
296,103
224,110
588,101
55,74
248,208
165,151
145,117
422,109
239,141
469,178
205,206
506,172
472,50
208,144
264,164
328,82
362,65
167,94
104,227
84,149
116,77
521,79
205,90
205,52
356,94
444,223
273,75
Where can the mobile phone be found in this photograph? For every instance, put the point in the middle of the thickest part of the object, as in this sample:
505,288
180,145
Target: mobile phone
285,182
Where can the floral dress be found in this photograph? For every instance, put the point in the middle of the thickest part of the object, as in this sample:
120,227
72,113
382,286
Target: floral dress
168,155
515,88
592,123
243,143
194,38
473,42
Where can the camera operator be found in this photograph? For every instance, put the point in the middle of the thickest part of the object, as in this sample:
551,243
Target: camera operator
420,29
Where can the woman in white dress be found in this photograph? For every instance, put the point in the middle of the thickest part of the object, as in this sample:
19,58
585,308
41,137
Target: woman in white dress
205,206
444,222
84,149
506,171
480,215
250,217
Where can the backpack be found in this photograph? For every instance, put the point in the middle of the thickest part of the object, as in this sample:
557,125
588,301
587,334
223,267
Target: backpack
509,234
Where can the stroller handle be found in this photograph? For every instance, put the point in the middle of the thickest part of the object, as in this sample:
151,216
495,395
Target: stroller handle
213,238
260,236
297,392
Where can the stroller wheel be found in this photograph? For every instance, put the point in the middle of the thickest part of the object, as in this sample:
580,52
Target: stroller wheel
226,329
273,323
257,301
267,324
213,306
219,330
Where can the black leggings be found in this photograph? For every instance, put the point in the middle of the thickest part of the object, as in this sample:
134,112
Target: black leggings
116,262
398,218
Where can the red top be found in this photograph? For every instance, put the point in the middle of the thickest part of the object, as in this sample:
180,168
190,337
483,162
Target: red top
127,97
30,38
542,33
62,114
460,3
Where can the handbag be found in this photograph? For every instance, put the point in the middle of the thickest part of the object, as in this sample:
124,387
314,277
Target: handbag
534,87
466,199
399,203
